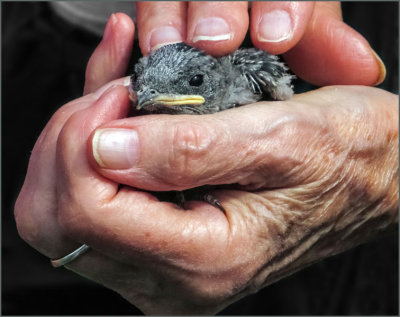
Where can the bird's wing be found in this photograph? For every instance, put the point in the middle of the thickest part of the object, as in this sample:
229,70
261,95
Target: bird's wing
265,73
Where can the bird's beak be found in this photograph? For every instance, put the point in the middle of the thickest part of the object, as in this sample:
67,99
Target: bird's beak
168,100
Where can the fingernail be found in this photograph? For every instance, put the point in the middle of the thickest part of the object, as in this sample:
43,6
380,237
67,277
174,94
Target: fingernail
212,29
127,81
110,24
382,69
163,36
115,148
275,26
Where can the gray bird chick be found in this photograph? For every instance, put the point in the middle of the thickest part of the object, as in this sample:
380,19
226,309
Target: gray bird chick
180,79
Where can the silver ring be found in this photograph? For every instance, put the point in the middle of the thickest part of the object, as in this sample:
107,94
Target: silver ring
70,257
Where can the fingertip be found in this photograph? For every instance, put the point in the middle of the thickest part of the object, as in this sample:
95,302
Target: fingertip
381,69
118,24
112,102
108,31
123,31
221,32
163,36
278,26
111,56
125,21
160,23
120,42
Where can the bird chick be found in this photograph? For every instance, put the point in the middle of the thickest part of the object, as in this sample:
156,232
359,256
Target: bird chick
180,79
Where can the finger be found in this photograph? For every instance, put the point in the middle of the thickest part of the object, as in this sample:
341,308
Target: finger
108,106
277,26
161,152
111,57
36,217
180,152
218,28
160,23
35,208
331,52
71,144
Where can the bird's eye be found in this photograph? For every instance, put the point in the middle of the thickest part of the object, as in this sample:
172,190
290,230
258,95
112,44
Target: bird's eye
196,80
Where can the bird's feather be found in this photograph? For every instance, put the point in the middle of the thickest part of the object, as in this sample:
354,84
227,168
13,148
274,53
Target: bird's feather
265,74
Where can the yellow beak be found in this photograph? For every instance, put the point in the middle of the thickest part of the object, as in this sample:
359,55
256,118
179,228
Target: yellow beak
172,100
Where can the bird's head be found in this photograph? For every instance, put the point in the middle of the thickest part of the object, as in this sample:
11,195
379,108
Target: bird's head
176,78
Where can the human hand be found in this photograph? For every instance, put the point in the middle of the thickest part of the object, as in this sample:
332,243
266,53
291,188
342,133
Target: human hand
324,193
165,268
317,45
319,176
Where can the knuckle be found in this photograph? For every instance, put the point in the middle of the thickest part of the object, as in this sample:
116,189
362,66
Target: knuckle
295,128
290,126
62,115
67,137
27,229
191,145
30,218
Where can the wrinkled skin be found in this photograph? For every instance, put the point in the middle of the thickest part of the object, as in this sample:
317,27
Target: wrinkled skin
312,190
317,175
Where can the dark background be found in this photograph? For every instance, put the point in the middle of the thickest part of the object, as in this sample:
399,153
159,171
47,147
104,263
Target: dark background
43,63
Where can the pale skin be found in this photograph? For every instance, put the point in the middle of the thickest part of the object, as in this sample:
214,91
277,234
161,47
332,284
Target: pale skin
317,175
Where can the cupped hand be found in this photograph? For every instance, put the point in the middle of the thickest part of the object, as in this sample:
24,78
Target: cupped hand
317,45
306,178
314,176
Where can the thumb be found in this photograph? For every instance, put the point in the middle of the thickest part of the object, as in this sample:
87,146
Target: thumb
164,152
